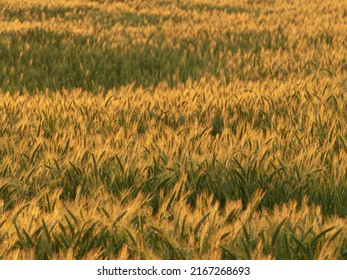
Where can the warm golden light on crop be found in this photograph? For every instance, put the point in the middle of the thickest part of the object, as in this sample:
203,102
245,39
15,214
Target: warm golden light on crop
173,129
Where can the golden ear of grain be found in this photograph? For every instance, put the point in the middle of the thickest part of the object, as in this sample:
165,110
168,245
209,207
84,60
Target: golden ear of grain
123,253
252,206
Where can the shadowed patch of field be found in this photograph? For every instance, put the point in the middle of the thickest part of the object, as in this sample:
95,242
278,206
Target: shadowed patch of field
40,59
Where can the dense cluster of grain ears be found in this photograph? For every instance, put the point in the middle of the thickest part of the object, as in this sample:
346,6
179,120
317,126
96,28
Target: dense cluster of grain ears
173,129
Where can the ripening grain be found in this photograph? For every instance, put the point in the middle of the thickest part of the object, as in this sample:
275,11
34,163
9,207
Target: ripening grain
173,129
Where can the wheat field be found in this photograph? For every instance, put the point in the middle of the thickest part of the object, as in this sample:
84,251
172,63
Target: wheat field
173,129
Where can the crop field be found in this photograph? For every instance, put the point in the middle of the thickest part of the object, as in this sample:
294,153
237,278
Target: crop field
183,129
